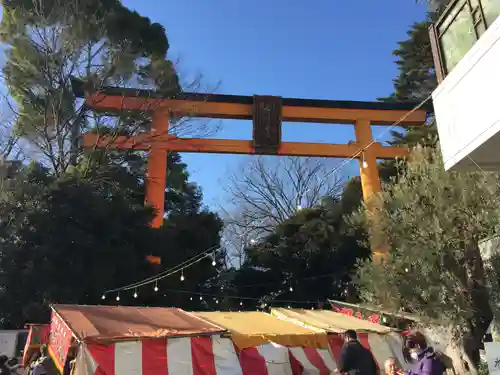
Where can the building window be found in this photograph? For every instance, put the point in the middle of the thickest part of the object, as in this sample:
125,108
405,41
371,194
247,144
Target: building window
459,27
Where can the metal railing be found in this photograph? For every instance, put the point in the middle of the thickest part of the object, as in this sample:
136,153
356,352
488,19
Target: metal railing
458,28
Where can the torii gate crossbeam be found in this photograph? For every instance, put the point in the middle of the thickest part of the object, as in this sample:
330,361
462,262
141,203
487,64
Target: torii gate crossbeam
267,113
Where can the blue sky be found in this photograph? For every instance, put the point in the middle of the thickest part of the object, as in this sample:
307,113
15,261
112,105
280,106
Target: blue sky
324,49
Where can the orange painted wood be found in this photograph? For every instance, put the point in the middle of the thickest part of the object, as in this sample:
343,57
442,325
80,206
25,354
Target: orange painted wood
141,142
228,146
370,181
151,259
102,102
157,172
159,142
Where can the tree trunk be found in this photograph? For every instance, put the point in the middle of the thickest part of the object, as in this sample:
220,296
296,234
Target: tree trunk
482,313
444,339
470,273
462,361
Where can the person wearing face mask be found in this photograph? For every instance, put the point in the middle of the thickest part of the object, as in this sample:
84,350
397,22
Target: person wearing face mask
425,360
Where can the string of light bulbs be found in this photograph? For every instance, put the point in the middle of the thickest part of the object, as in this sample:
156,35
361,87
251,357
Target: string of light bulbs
216,297
175,269
180,267
361,150
364,164
156,288
197,258
182,278
289,284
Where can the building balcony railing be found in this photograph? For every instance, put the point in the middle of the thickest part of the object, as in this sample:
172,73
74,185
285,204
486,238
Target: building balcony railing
457,30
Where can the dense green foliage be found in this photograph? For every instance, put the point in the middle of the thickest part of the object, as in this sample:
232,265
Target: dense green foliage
432,221
312,253
415,82
317,241
67,239
101,42
74,225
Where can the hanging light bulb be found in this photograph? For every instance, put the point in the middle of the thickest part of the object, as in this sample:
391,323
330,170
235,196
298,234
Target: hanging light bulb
407,270
156,286
217,301
118,297
103,296
289,307
241,303
213,263
291,288
364,164
201,298
135,294
182,275
190,298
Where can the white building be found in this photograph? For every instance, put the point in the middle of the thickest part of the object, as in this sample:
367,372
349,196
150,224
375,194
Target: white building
466,49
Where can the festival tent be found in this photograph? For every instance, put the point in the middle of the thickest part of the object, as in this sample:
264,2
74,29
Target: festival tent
37,336
164,341
267,345
139,341
299,336
328,321
161,341
132,341
382,341
253,328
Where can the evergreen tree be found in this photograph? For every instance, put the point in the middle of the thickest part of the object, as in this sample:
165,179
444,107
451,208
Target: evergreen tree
71,238
308,257
75,225
416,79
432,221
415,82
102,42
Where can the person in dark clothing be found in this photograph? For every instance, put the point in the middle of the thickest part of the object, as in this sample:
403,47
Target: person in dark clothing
355,359
4,367
425,360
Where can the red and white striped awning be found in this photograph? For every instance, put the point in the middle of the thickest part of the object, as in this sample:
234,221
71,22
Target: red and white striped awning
213,355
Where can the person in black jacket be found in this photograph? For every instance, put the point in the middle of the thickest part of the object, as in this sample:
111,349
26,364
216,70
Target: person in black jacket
355,359
4,367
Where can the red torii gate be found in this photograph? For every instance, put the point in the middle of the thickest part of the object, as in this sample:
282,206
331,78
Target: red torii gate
267,113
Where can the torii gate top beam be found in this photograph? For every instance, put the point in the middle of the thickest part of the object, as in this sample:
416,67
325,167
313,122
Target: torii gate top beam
112,99
267,113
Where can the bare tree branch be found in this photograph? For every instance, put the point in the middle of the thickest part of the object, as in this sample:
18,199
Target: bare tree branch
52,121
265,191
